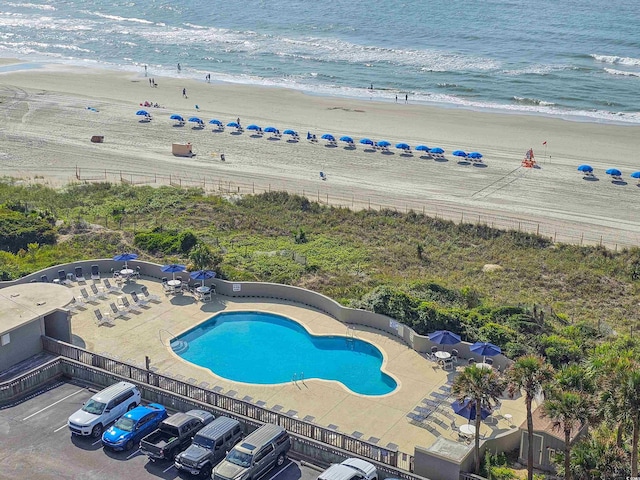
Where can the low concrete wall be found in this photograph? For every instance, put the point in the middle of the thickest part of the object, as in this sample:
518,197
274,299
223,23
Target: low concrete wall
325,304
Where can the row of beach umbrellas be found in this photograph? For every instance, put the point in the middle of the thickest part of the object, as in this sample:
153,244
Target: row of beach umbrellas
584,168
172,268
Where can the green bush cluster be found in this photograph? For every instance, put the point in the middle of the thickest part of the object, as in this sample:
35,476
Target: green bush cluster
19,227
165,242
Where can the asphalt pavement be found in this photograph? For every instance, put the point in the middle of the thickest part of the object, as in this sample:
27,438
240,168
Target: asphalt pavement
35,443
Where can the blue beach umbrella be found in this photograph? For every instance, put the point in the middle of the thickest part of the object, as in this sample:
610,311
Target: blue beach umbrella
142,112
346,139
125,257
585,168
329,137
173,268
233,124
613,171
403,146
271,130
366,141
437,150
485,349
176,117
202,275
288,131
253,126
384,143
459,153
444,337
215,122
196,120
422,148
467,409
477,155
635,175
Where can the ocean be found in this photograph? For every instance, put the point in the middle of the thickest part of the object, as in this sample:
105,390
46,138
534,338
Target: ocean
574,59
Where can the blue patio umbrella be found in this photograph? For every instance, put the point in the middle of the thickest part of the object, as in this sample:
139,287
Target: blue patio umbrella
173,268
253,126
288,131
635,175
384,143
613,171
422,148
346,139
196,120
477,155
233,124
271,130
366,141
142,112
485,349
176,117
459,153
403,146
125,257
329,137
202,275
437,150
585,168
444,337
215,122
467,409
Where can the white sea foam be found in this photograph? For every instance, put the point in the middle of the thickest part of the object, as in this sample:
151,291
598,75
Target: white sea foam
31,5
614,59
532,101
118,18
537,69
613,71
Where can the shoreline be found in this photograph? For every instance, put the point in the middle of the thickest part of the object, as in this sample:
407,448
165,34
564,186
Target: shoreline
48,127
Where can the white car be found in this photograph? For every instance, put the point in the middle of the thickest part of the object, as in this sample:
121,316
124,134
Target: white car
103,408
350,469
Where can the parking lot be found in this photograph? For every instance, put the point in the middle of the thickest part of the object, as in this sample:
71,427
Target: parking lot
35,443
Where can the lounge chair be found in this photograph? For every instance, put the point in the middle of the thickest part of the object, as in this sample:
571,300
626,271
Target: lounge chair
80,302
79,275
103,319
62,277
149,296
73,306
111,288
141,302
128,306
86,297
44,279
97,293
95,272
117,312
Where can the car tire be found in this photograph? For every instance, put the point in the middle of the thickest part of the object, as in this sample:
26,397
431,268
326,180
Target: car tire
131,407
96,432
206,471
128,446
280,460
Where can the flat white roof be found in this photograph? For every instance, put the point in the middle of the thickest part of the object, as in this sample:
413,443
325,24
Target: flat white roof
24,303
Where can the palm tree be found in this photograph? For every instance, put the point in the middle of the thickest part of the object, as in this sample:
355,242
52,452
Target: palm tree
628,392
482,386
529,373
202,257
565,409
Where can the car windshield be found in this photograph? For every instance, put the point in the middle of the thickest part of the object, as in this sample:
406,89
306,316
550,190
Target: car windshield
94,407
239,458
203,442
125,424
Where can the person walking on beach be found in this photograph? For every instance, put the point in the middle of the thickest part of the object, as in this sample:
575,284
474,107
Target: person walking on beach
238,121
179,67
150,83
406,98
145,70
184,93
396,98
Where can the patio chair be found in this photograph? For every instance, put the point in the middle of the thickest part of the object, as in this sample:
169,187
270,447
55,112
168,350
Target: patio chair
103,319
95,272
454,355
149,296
136,273
62,277
447,364
164,280
73,306
471,361
140,302
79,275
434,349
80,302
111,288
488,361
128,306
167,289
97,293
117,312
44,279
86,297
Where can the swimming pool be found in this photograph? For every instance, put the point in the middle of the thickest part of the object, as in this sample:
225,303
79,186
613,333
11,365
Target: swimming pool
265,348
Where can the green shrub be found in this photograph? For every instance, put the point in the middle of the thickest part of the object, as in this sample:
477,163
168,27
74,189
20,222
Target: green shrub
19,228
166,242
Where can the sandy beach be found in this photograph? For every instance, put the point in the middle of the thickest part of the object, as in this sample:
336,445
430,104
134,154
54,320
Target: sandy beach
46,127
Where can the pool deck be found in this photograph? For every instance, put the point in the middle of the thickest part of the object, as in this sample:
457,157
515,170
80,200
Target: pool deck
381,417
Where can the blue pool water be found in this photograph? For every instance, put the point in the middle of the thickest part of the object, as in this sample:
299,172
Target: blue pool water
264,348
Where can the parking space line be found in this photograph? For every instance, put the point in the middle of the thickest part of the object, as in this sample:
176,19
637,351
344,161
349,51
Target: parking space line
279,472
49,406
134,453
96,442
168,468
60,428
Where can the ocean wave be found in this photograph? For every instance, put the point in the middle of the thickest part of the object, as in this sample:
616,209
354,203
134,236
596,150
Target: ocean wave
454,86
531,101
613,71
31,5
614,59
118,18
538,69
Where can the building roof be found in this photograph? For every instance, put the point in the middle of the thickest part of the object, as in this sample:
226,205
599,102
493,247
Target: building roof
26,302
545,425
